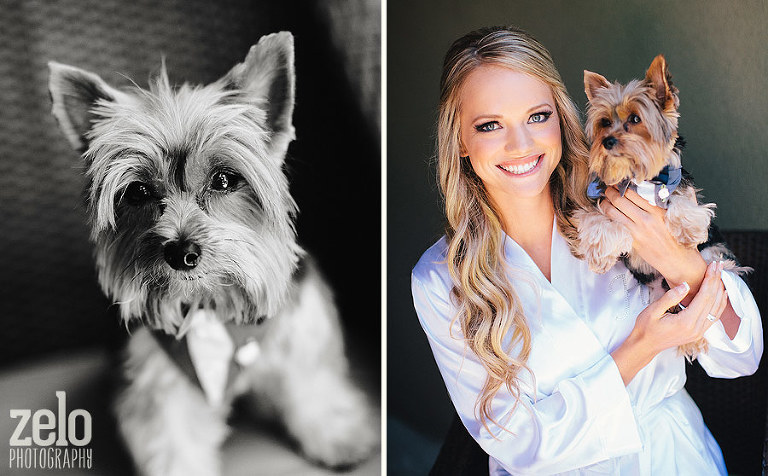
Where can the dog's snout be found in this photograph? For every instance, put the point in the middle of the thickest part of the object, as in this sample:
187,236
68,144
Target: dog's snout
182,255
609,142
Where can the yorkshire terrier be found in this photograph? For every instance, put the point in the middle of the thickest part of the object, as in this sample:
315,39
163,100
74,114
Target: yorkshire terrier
635,144
194,235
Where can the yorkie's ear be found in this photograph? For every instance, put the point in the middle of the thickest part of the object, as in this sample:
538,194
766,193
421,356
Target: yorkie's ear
74,94
660,80
267,78
593,82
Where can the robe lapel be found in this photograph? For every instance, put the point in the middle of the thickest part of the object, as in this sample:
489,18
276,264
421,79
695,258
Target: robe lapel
562,342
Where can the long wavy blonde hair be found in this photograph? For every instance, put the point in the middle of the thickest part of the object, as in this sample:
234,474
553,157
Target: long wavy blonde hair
488,307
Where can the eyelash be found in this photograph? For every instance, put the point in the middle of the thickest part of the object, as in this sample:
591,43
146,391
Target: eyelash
545,114
486,126
493,125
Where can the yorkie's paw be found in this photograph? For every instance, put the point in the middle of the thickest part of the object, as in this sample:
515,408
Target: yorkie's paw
687,220
336,432
600,264
597,255
601,241
692,350
342,451
340,444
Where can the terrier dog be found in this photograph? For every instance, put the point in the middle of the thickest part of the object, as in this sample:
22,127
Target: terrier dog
193,227
633,130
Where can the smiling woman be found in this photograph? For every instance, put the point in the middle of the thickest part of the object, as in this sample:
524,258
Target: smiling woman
507,134
553,368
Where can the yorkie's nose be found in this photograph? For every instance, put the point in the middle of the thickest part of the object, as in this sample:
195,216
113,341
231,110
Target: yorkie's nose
182,255
609,142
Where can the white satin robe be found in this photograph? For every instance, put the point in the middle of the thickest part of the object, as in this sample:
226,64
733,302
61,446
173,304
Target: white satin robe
580,418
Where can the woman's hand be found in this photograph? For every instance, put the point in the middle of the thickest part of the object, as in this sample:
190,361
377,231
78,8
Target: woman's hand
656,329
662,330
652,240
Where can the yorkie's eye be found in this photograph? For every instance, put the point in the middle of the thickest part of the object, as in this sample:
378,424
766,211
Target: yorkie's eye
225,181
605,122
487,126
137,193
634,119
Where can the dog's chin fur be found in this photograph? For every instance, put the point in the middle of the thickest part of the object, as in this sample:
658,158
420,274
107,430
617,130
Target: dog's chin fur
614,166
201,168
166,307
242,275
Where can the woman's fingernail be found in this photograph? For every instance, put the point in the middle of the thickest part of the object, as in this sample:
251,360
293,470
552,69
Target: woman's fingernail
683,288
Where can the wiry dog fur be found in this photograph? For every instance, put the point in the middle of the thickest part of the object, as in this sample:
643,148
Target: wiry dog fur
633,131
190,211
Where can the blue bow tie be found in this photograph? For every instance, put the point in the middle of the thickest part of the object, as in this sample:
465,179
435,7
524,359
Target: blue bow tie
663,184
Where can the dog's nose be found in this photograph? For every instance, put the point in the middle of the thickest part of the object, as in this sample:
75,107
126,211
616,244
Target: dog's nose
609,142
182,255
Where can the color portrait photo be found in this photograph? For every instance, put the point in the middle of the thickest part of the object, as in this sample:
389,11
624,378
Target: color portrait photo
714,65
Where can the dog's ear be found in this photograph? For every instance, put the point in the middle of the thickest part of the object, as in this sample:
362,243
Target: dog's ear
660,80
593,82
74,93
267,77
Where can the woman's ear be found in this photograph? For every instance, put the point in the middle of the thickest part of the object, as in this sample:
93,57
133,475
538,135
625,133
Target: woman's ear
462,150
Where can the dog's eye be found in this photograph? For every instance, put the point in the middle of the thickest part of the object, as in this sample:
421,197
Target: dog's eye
605,122
137,193
224,181
634,119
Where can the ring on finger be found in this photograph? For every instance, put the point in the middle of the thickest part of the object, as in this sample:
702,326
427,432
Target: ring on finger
711,318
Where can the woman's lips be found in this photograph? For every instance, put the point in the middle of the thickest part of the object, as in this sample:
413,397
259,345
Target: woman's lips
521,167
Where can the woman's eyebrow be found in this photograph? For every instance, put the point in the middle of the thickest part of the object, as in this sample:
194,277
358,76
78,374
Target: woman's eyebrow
538,106
497,116
485,117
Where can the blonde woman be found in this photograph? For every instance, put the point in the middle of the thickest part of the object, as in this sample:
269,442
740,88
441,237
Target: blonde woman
552,368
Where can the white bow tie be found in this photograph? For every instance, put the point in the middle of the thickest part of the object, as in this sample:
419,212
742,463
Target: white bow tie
211,350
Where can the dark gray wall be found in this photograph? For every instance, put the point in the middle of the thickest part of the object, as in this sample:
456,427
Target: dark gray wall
718,56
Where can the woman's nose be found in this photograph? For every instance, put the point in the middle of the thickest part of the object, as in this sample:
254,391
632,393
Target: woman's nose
519,141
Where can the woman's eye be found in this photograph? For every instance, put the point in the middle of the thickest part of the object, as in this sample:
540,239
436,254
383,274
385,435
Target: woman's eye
539,117
605,122
137,193
224,181
487,126
634,119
